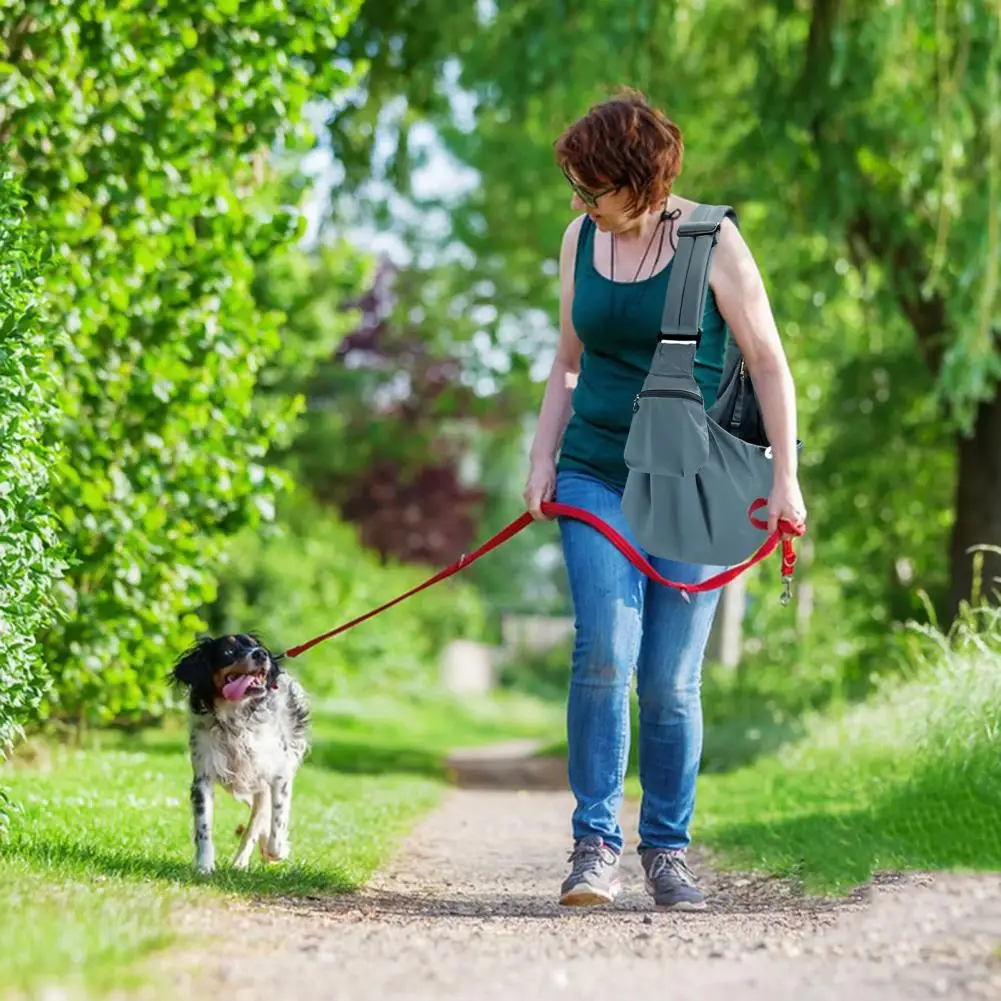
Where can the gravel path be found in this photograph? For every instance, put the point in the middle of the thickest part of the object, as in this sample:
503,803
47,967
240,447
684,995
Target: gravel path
466,911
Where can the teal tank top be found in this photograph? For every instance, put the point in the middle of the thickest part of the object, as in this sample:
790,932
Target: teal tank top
618,324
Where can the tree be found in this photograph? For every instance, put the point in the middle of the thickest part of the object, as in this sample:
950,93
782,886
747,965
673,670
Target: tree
391,409
916,189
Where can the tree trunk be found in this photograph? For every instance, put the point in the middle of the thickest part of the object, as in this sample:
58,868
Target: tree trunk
978,489
978,506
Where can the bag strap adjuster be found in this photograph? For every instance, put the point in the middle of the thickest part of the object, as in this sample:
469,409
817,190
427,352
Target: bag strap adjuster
707,227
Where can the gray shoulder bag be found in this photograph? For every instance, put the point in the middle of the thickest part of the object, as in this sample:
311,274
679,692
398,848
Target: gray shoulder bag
695,475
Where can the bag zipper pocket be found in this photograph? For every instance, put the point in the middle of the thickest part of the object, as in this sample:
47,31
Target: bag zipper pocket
685,394
738,407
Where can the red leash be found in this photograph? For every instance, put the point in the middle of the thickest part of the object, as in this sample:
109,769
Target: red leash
623,545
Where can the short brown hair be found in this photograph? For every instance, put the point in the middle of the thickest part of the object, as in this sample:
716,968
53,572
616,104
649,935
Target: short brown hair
626,141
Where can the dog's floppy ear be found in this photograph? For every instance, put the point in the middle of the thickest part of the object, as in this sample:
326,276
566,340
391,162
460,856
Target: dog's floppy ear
193,666
194,672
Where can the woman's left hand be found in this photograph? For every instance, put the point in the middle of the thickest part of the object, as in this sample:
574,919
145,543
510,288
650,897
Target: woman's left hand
786,504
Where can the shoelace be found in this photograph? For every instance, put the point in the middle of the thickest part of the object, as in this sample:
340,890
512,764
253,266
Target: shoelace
588,858
677,865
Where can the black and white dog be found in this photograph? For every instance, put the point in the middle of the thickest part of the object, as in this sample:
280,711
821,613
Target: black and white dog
248,726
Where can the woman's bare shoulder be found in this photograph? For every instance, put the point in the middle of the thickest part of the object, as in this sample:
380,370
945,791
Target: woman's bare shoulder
685,205
572,231
568,246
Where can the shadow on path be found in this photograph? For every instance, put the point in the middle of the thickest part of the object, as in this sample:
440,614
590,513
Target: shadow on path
730,894
513,766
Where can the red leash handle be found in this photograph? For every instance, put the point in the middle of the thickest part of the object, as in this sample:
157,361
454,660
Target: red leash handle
554,509
785,530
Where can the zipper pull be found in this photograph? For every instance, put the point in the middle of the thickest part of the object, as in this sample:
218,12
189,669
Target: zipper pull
636,403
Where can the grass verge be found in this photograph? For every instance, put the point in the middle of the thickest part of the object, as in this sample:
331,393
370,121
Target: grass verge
99,849
908,780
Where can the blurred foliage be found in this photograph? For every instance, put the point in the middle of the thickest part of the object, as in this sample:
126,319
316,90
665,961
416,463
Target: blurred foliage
141,131
542,673
384,434
313,292
31,557
309,573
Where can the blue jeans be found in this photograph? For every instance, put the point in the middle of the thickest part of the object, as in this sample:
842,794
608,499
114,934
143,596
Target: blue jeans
626,623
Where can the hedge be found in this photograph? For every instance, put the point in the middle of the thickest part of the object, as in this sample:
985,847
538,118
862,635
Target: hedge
141,131
30,555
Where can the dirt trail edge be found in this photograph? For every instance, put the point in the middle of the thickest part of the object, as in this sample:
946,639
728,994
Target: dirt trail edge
466,911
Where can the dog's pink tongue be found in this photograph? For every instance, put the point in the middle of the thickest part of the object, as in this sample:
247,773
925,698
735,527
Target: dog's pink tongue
234,689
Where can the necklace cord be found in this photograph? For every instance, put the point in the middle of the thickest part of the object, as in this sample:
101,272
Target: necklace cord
665,216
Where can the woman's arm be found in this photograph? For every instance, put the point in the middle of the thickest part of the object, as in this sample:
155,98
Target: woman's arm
743,302
556,400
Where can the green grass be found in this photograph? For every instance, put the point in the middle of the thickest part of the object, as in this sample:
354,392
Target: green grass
99,850
908,780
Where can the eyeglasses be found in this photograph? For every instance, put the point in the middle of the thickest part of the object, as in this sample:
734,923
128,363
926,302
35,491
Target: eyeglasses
589,198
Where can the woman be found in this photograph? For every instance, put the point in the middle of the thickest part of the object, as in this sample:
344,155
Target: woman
621,161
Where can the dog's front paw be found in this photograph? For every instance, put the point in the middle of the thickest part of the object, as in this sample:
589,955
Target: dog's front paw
205,862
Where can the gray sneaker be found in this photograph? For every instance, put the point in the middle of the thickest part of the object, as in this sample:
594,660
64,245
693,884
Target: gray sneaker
594,876
670,882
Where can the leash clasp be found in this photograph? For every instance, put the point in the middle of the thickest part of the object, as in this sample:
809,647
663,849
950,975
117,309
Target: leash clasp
786,589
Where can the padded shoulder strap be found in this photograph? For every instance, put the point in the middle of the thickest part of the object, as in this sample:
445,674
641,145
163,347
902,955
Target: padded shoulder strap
689,282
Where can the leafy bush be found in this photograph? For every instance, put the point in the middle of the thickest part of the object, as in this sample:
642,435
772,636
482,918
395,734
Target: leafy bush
30,557
143,136
309,573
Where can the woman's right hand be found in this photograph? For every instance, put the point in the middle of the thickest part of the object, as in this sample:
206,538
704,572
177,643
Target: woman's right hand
541,486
